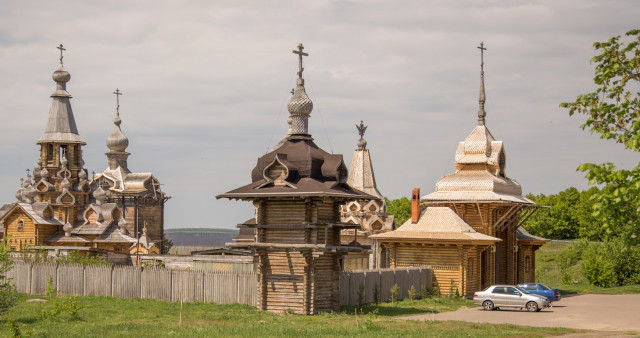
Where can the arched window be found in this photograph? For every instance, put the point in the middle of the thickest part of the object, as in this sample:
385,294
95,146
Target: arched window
50,152
20,225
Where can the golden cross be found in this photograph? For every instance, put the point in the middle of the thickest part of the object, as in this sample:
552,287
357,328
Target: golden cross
300,55
61,48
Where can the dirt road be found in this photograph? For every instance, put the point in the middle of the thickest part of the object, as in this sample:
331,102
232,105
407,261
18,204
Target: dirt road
592,312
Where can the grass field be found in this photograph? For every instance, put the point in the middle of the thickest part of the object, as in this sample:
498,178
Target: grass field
109,317
547,273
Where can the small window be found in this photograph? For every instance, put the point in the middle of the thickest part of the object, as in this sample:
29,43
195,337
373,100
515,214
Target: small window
512,291
498,289
20,225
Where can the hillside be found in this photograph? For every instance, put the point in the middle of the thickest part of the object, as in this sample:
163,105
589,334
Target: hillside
208,237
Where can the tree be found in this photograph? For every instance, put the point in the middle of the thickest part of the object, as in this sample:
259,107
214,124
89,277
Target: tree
8,295
166,244
613,111
400,208
568,216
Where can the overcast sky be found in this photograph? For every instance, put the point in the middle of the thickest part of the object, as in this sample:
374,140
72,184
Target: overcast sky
206,84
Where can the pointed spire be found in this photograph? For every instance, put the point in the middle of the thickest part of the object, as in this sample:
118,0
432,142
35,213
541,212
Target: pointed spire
300,106
61,126
481,96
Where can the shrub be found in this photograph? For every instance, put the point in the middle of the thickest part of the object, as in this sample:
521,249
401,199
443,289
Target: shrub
611,264
394,293
412,293
8,294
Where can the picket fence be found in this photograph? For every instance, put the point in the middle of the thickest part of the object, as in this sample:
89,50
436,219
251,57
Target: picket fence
197,286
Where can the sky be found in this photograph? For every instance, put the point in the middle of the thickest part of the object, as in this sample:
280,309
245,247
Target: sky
205,86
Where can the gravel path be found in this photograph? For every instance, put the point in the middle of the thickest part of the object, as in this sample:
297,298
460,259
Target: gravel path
587,311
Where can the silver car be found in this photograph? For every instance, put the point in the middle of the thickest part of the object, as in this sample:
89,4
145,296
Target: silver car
497,296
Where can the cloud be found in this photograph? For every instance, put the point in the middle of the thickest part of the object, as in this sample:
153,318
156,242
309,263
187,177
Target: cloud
206,83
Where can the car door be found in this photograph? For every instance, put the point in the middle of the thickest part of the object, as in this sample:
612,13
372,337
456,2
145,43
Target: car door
513,297
498,296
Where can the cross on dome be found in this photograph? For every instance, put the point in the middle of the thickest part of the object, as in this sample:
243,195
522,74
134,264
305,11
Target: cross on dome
61,48
300,55
118,93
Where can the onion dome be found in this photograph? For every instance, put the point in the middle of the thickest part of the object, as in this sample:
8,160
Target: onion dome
20,190
117,141
29,193
61,75
82,174
299,103
44,173
67,228
100,195
65,184
64,161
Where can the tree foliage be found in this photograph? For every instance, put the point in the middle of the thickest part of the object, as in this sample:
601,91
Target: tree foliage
568,216
400,208
8,294
613,111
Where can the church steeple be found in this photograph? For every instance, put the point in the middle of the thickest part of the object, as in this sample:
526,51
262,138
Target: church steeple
60,137
300,106
481,96
117,142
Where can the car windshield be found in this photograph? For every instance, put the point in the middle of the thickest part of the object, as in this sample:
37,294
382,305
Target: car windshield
543,287
522,290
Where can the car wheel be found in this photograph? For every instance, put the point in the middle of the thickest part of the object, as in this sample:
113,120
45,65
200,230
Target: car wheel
487,305
532,307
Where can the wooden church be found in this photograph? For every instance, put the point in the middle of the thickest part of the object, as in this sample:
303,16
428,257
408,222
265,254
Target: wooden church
484,198
59,206
297,190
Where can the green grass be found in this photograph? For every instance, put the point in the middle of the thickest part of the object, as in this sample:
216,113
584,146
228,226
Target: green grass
109,317
547,273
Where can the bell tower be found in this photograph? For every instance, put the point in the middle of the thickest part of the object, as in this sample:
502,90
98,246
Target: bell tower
59,176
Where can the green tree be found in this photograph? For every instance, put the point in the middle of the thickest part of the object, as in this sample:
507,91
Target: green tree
400,208
166,244
8,294
613,111
568,216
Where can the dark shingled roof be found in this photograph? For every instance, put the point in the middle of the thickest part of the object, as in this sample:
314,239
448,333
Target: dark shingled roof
308,171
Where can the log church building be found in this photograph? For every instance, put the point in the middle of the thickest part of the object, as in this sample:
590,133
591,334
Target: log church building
60,207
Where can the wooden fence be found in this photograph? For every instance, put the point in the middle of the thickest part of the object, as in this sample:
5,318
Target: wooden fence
355,285
131,282
197,286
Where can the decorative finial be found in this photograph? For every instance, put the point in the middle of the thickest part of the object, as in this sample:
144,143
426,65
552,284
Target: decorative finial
300,106
61,48
300,55
28,175
118,93
481,97
362,143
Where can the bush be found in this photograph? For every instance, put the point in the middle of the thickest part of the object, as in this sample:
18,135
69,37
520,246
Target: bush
611,264
8,294
569,257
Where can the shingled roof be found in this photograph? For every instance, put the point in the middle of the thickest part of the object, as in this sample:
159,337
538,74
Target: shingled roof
436,224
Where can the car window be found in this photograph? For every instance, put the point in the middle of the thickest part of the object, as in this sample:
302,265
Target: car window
498,289
512,291
543,287
522,290
531,287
